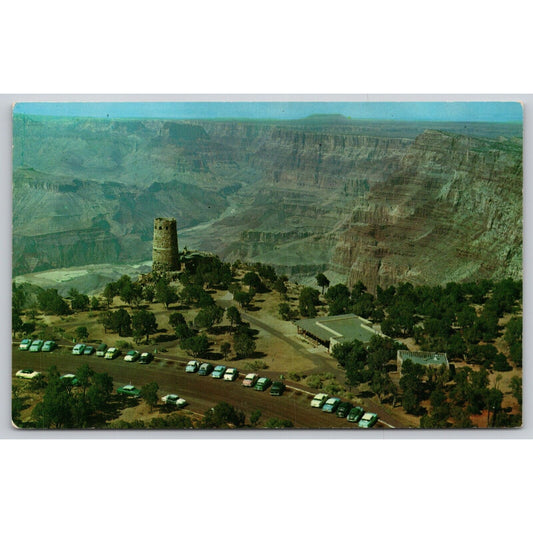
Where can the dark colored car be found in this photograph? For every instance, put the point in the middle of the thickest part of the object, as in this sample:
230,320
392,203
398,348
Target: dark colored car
343,409
277,389
263,384
129,390
145,358
355,414
89,350
205,369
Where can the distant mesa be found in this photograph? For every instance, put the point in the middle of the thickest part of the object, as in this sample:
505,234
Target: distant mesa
165,256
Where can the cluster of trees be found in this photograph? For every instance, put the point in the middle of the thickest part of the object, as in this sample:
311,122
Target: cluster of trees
370,364
66,406
142,323
455,395
461,319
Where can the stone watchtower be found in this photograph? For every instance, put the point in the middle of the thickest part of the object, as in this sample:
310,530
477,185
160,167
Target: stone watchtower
165,246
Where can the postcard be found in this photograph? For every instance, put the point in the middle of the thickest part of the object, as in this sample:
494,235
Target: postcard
260,265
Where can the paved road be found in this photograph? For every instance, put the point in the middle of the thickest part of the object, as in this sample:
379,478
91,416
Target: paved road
201,392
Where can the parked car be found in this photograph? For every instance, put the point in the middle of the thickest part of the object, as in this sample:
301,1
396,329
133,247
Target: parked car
112,353
28,373
70,379
355,414
218,372
205,369
319,400
89,350
78,349
48,346
343,409
277,389
101,350
192,366
231,374
263,384
249,380
368,420
145,358
129,390
331,405
174,399
25,344
36,345
132,356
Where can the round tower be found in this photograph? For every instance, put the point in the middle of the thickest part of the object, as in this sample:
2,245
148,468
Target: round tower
165,246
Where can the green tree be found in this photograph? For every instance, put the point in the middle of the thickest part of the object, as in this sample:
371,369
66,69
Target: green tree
95,304
121,322
196,345
254,282
144,323
176,318
16,322
322,281
78,301
149,394
308,300
99,393
82,333
275,423
255,416
244,299
110,291
285,311
50,302
208,316
233,315
223,415
243,344
164,293
225,349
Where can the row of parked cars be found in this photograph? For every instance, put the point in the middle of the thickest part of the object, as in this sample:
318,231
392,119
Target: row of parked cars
346,410
231,374
37,345
84,349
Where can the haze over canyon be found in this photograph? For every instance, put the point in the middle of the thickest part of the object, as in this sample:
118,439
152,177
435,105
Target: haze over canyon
378,202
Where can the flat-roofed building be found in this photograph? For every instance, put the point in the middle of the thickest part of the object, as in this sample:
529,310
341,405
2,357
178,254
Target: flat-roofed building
331,330
421,358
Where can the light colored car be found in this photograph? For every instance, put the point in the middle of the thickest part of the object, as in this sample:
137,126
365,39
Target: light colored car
36,345
132,356
48,346
78,349
28,373
25,344
331,405
319,400
250,380
231,374
174,399
69,379
368,420
192,366
89,350
111,353
218,372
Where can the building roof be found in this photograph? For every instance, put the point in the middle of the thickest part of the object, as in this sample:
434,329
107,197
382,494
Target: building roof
342,328
423,358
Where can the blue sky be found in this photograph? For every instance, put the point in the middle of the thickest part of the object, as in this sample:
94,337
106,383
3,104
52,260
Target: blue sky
431,111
